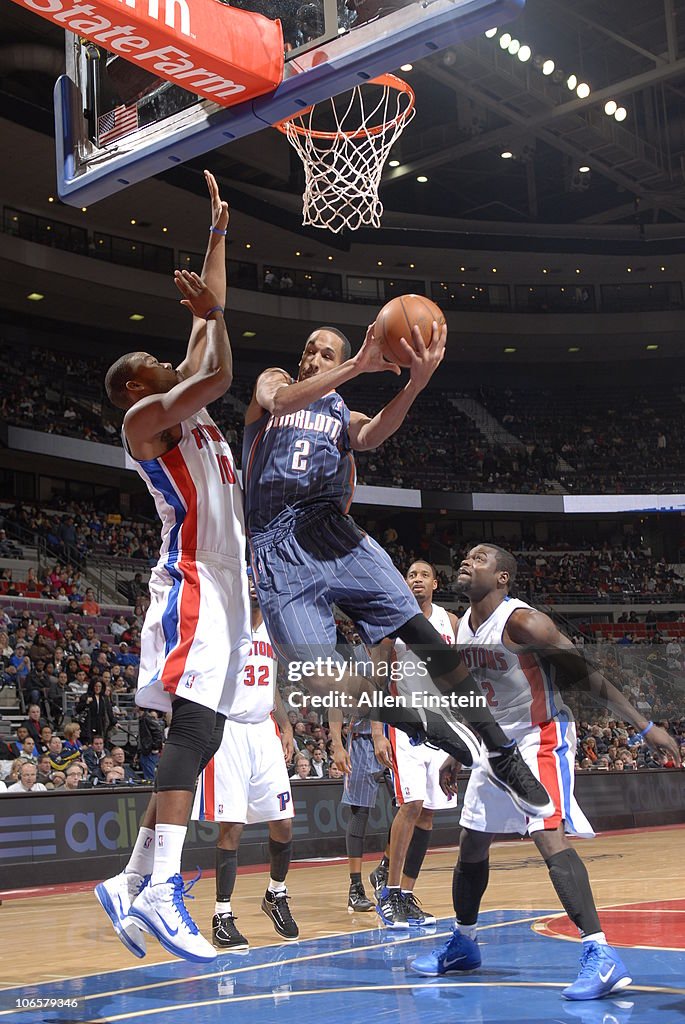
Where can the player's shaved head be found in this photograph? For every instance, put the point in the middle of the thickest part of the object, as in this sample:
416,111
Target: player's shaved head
504,561
118,376
345,348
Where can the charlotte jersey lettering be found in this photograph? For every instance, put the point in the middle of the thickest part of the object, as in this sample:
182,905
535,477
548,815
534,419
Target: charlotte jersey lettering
520,688
297,460
194,488
253,697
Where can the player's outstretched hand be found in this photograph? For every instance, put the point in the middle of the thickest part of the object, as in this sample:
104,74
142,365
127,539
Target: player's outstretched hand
196,295
448,776
424,361
370,358
383,751
659,739
341,758
220,213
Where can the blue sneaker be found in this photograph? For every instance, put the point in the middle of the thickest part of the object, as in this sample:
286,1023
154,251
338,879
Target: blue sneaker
160,910
601,972
115,896
459,954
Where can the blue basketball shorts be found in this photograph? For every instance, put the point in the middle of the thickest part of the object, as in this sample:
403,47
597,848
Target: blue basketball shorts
313,559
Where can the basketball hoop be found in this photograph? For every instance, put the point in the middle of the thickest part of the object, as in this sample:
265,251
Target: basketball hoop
343,144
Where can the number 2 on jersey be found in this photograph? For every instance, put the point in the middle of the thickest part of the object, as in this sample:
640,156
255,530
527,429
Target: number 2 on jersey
302,450
263,678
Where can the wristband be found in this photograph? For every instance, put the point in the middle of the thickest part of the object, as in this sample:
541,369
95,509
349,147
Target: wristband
640,735
214,309
217,231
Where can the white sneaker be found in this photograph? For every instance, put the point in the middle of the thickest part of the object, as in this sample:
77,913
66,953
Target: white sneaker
160,910
115,896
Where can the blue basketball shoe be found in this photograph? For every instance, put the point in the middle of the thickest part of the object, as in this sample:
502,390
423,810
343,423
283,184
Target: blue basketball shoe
459,954
601,972
115,895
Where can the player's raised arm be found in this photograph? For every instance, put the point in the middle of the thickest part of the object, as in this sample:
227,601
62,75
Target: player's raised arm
535,631
156,413
276,393
369,432
213,274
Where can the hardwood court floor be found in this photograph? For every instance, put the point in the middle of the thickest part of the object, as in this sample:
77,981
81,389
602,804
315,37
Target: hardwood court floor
51,935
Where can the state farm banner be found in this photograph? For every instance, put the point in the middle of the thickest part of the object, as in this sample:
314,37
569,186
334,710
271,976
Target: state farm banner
222,53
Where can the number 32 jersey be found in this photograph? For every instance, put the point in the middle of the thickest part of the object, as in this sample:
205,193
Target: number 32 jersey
253,696
296,460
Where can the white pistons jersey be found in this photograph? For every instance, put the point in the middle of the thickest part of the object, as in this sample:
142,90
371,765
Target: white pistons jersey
197,494
520,688
439,620
253,696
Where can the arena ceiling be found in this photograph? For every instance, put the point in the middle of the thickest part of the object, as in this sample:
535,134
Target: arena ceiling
476,102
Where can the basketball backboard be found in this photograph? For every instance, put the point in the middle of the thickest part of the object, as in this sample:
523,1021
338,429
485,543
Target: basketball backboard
117,124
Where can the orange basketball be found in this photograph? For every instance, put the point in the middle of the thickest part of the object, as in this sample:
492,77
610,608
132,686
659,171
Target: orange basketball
396,320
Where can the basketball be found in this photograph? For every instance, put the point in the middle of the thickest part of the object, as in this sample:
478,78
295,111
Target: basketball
396,320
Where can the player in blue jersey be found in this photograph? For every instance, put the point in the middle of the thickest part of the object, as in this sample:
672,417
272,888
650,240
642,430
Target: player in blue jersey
308,553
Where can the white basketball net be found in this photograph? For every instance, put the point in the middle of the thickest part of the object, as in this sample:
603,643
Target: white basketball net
343,166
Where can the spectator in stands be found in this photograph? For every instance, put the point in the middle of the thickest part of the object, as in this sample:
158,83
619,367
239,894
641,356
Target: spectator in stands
45,772
59,760
94,712
72,739
124,656
137,588
21,663
150,742
270,281
94,753
57,695
79,684
50,631
300,735
104,766
15,745
119,627
318,764
8,549
334,772
302,768
89,643
45,737
28,749
28,781
34,724
75,776
90,605
119,758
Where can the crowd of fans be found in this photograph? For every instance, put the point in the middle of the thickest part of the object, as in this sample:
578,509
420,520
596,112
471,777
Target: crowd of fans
595,439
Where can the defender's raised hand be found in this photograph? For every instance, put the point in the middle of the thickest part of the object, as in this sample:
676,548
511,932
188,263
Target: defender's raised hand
196,295
220,212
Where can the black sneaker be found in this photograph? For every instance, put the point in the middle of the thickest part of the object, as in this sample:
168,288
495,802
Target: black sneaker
378,879
509,771
391,909
416,915
357,901
225,935
275,906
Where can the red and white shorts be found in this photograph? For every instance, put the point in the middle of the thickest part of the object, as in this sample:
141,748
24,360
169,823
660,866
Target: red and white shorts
196,636
549,750
415,773
247,779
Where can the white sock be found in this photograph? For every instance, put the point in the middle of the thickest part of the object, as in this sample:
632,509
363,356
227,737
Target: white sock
468,930
276,886
407,892
599,937
223,908
143,853
169,840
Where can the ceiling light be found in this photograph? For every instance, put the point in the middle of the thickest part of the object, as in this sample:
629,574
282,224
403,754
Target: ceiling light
504,40
545,270
136,316
577,270
574,348
133,220
583,91
610,107
584,169
165,230
462,269
330,258
525,53
393,163
51,199
422,178
412,265
514,47
84,209
491,33
249,334
379,263
406,67
298,253
248,245
621,114
509,348
507,155
548,67
651,348
572,82
629,270
494,270
34,296
662,268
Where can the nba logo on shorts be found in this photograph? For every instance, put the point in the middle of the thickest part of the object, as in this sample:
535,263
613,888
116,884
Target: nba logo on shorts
220,809
160,840
148,842
190,680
